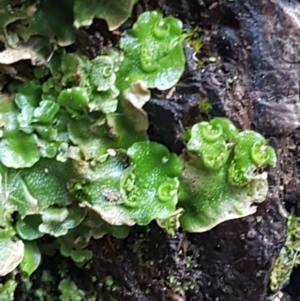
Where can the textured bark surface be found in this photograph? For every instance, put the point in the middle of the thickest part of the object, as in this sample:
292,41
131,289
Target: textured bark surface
254,82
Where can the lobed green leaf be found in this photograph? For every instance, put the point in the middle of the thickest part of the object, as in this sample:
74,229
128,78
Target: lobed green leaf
222,177
153,52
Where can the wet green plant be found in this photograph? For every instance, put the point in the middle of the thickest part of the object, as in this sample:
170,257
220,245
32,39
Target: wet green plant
194,39
42,18
289,256
71,132
153,51
69,291
32,29
7,290
76,162
144,190
222,177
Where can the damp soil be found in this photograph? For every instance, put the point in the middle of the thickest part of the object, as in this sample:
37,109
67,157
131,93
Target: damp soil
253,80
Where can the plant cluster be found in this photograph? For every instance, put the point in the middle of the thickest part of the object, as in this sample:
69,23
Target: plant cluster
222,175
77,129
76,162
35,23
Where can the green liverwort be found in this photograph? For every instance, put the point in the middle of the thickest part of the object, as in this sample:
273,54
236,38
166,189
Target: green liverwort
222,175
153,52
137,186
